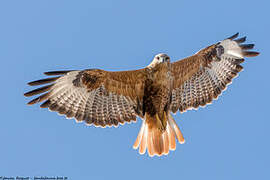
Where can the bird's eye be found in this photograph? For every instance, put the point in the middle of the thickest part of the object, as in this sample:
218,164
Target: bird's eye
158,58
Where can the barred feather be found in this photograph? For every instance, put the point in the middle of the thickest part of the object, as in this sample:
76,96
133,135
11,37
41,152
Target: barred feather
205,75
89,96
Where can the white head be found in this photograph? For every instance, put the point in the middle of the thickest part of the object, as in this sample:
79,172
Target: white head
159,58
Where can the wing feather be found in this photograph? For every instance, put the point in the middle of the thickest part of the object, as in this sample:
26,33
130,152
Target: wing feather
95,96
202,77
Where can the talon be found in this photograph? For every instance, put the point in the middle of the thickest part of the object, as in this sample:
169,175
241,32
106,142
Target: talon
159,122
165,116
157,117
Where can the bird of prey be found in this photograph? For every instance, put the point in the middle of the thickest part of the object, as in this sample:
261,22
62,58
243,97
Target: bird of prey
104,98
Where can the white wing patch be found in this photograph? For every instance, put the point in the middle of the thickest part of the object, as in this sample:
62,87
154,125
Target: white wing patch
231,48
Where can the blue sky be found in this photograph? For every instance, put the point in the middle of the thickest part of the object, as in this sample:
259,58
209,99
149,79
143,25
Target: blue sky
226,140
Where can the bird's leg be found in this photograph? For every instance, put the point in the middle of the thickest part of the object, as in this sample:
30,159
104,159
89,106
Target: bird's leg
160,124
164,120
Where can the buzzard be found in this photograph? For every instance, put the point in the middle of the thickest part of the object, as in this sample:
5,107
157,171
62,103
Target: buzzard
105,98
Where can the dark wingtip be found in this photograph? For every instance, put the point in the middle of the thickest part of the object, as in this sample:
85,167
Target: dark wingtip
43,81
38,90
34,101
46,104
233,36
241,40
52,73
250,53
39,99
239,61
247,46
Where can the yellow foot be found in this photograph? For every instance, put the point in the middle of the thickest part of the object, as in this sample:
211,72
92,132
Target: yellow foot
164,122
160,124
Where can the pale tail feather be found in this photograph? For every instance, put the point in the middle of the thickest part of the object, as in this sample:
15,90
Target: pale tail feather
157,142
176,130
139,137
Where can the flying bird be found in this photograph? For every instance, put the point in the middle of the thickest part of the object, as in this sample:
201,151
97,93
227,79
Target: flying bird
104,98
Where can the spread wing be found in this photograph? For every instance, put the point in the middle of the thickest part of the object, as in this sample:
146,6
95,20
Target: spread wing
202,77
95,96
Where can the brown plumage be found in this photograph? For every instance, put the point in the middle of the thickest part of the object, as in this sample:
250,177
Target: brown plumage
106,98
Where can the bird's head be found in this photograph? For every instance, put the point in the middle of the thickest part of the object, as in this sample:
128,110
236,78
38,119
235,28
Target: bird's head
159,58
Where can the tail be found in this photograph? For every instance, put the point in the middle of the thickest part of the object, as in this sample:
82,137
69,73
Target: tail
156,141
